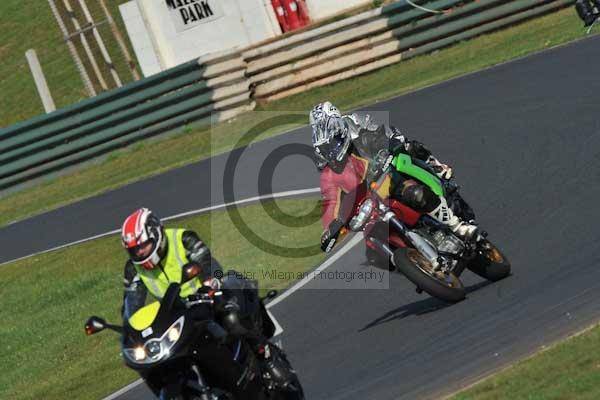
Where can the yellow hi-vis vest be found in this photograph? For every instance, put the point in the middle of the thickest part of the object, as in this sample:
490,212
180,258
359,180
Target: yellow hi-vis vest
158,281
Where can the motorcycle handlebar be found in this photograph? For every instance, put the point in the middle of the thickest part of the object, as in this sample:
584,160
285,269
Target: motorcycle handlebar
196,302
202,298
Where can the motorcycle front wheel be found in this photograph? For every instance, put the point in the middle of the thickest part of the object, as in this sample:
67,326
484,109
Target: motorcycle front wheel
444,286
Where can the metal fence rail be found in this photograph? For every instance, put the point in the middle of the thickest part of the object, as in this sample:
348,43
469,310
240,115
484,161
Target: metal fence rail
227,83
189,92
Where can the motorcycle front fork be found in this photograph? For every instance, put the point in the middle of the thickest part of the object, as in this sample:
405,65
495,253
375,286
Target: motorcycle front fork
381,246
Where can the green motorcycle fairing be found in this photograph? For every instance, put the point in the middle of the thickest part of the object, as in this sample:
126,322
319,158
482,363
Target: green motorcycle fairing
404,164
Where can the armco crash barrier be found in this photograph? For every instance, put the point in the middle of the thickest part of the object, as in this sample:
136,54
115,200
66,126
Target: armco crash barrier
227,83
214,85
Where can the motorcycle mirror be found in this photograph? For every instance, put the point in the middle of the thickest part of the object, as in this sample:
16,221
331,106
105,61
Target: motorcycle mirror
271,295
190,271
94,325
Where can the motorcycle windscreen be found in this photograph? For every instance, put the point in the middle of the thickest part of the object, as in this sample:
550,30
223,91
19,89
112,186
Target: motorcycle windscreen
144,317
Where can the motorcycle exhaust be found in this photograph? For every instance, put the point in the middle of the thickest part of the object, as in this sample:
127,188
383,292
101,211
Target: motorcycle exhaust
416,240
424,248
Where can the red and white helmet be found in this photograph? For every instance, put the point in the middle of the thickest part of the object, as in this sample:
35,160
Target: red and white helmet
143,237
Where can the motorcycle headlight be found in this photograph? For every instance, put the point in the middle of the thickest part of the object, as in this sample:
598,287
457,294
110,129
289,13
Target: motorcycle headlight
173,334
360,219
139,353
155,350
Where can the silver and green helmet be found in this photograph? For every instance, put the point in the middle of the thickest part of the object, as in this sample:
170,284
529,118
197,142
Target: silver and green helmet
330,137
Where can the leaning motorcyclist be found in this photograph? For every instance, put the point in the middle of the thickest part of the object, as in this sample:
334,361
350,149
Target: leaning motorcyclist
348,148
158,256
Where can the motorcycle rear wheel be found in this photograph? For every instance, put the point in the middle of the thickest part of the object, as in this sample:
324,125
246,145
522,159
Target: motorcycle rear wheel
418,270
493,265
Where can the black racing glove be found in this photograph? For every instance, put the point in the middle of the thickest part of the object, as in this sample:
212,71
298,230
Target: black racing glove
331,235
227,310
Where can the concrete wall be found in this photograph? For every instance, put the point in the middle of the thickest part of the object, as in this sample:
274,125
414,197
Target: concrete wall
325,8
140,38
180,32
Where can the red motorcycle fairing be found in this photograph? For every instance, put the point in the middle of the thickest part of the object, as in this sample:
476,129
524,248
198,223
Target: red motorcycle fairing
404,213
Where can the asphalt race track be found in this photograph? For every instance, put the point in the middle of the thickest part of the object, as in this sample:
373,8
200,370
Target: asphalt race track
524,141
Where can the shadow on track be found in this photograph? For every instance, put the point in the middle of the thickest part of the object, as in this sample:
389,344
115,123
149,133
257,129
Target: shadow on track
421,307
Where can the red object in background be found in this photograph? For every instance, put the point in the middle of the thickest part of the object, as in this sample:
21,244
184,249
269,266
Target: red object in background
303,11
291,14
280,13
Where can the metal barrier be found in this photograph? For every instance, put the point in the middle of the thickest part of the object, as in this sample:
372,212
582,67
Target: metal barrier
189,92
375,40
227,83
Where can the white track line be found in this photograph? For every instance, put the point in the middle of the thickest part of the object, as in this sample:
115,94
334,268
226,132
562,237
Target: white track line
290,193
338,254
278,327
124,390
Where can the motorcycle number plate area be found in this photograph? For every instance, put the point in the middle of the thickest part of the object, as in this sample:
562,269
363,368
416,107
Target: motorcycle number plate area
403,164
147,332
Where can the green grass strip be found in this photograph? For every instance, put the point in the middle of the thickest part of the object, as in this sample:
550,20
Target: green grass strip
568,370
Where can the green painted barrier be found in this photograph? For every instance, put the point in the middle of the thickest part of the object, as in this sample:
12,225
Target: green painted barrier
109,133
106,119
130,99
90,152
94,102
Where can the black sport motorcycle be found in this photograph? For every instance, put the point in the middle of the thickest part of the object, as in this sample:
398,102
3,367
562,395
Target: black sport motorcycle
182,352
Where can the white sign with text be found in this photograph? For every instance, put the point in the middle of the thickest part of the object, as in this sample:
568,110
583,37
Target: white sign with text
188,14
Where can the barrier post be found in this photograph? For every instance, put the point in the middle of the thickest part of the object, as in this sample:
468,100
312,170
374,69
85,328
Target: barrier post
40,80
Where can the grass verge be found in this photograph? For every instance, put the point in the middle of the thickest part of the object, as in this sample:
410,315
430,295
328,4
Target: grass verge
152,157
568,370
31,25
45,300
